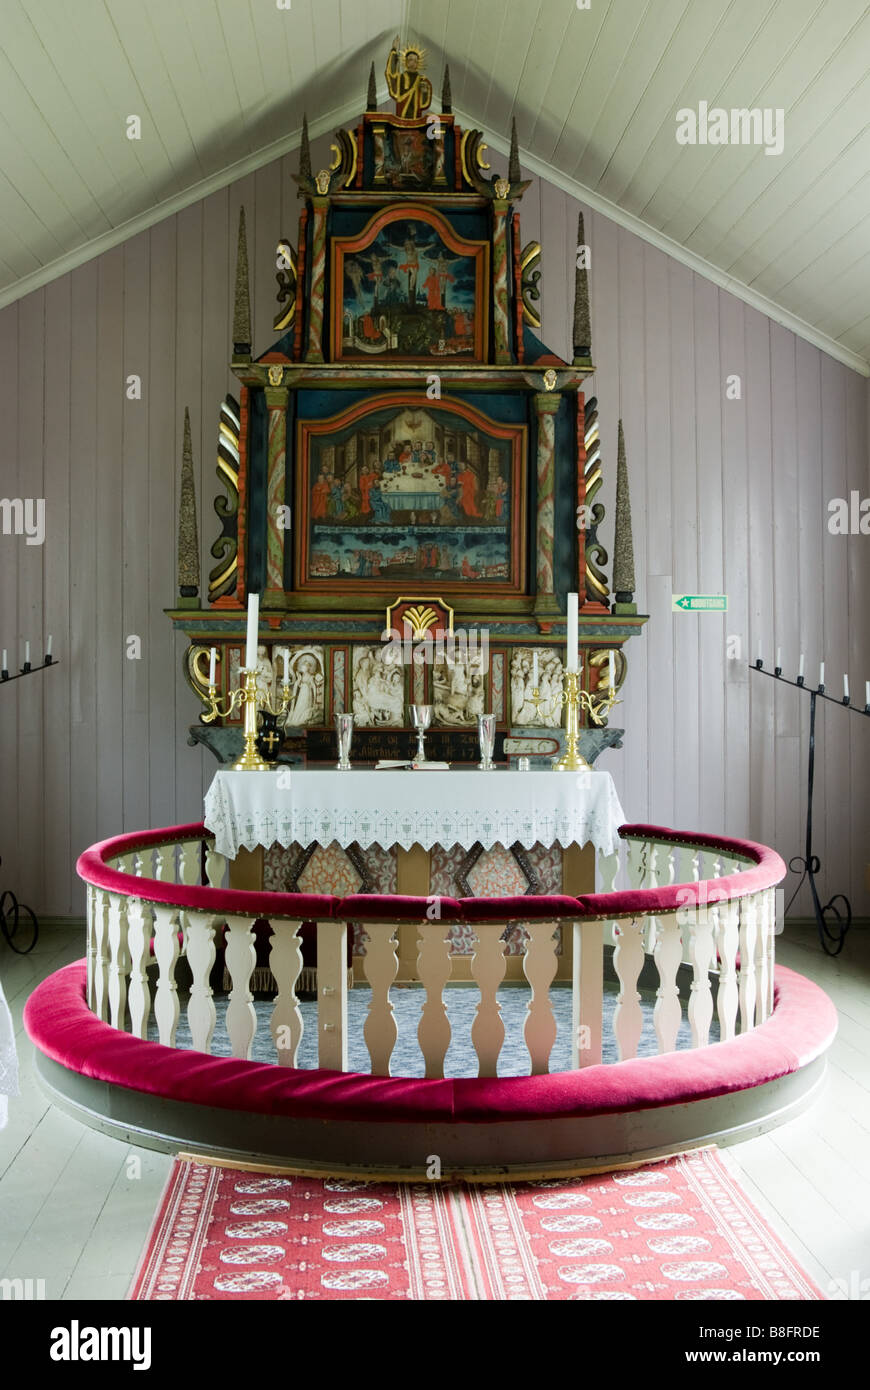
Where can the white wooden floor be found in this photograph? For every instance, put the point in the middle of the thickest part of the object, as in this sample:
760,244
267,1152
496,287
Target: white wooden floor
75,1211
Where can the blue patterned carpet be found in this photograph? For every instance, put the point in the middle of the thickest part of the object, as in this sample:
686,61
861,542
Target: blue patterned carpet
461,1003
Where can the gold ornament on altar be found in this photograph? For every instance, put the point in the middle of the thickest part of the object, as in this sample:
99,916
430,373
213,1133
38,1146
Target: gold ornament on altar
502,189
410,90
597,707
276,375
321,180
550,379
251,700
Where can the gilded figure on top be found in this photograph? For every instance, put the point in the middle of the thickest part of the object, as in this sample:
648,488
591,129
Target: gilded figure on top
410,90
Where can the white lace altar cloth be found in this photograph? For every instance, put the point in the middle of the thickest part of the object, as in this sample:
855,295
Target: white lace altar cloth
462,807
8,1058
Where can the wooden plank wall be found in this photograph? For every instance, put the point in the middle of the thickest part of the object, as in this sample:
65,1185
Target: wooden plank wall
728,496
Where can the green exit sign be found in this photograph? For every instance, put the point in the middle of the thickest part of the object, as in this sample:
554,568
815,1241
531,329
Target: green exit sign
699,603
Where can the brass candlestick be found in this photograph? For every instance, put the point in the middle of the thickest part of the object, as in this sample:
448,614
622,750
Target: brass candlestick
246,697
574,699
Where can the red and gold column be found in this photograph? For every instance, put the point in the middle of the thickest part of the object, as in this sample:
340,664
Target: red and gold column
500,318
314,351
276,484
546,606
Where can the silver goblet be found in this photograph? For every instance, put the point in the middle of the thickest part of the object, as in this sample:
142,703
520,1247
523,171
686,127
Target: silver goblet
344,733
486,735
421,718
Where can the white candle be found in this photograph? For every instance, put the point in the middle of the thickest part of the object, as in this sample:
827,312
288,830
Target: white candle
211,665
286,666
845,686
5,666
48,648
535,670
822,674
866,685
253,624
779,657
571,664
611,680
801,669
27,653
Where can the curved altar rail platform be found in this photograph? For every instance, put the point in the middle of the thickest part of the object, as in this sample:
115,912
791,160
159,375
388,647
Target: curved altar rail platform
702,907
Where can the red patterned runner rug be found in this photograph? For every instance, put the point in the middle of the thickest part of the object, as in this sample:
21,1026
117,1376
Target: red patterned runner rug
678,1229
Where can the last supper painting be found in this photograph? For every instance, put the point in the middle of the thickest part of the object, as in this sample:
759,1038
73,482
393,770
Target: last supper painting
411,288
401,488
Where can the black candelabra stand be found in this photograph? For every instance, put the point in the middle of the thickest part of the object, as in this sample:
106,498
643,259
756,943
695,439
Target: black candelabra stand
832,935
11,910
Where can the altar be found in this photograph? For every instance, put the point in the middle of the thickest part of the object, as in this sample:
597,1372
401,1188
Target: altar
466,831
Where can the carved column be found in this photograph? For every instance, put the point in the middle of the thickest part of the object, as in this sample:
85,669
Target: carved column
545,410
276,404
314,352
500,320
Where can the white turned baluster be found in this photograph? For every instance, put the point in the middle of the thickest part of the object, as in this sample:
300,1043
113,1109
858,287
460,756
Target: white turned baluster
166,1005
381,965
748,932
762,963
189,870
201,955
687,871
91,937
659,876
102,954
638,862
628,963
331,995
140,919
186,869
119,960
487,970
433,968
215,866
285,962
241,958
608,868
143,860
668,1011
771,947
702,956
726,943
539,967
587,992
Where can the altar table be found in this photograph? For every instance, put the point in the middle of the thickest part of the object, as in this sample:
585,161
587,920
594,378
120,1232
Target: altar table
414,812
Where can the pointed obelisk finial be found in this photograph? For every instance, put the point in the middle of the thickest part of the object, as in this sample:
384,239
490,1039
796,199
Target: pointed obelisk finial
514,171
623,547
242,310
446,94
372,95
582,322
188,534
305,153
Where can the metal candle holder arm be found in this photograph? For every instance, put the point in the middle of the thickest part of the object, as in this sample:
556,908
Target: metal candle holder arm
574,699
245,697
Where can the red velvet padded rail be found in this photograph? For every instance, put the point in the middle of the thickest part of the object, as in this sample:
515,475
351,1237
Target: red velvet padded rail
62,1026
769,869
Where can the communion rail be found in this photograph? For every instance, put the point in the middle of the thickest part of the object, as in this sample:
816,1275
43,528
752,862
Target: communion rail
698,901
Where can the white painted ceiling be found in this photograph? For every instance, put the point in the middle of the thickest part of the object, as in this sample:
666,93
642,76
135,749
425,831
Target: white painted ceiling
220,86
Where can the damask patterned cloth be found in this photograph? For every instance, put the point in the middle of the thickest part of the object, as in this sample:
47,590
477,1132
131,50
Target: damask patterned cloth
8,1058
460,807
